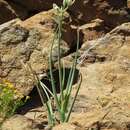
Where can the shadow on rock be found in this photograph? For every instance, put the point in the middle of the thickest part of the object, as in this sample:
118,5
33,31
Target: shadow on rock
34,96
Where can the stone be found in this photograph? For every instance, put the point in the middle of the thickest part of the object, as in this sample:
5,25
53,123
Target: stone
108,47
28,43
67,126
93,30
38,6
18,122
105,85
103,99
111,11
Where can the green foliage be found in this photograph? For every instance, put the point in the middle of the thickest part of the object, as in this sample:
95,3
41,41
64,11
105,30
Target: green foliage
61,100
10,100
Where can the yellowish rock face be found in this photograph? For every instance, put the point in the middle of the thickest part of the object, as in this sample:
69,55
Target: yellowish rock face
28,42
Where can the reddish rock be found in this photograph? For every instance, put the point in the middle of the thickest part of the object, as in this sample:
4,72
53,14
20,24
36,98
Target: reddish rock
36,5
113,12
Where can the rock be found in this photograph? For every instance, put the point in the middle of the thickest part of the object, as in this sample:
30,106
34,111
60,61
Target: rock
16,46
108,47
67,126
29,42
7,12
105,85
38,6
86,119
44,21
18,122
10,23
110,129
111,11
93,30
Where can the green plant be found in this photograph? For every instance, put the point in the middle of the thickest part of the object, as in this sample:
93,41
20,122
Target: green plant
10,100
61,100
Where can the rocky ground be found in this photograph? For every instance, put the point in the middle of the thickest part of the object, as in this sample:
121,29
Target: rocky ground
26,32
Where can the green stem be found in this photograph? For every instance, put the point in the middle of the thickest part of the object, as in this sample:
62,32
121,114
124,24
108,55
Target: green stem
59,36
72,105
52,78
71,76
59,52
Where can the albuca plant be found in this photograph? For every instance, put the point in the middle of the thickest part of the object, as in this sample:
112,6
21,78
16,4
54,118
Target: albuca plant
10,100
61,100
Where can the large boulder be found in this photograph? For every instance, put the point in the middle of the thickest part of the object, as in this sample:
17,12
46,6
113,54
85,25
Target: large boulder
28,42
36,5
113,12
18,122
93,30
66,126
104,96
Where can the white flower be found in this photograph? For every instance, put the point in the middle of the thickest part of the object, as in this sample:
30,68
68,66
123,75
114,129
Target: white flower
67,3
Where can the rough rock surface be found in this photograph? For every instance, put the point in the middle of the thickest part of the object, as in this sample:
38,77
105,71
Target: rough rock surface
103,102
18,122
22,9
28,43
93,30
104,97
36,5
66,126
111,11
